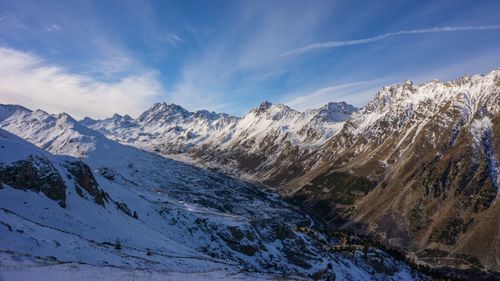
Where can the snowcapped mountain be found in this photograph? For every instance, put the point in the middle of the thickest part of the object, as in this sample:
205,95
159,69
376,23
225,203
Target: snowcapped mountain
267,143
418,168
383,169
168,126
92,202
59,134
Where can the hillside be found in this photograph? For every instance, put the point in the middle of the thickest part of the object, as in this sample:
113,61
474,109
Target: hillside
418,168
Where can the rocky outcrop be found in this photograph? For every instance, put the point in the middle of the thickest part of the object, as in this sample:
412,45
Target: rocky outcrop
85,180
37,174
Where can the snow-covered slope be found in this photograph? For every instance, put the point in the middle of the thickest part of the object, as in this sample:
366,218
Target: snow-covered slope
265,143
86,221
124,208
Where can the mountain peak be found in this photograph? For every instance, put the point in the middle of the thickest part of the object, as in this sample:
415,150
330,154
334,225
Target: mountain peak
205,114
265,105
408,94
65,121
65,117
163,106
6,110
338,106
118,117
335,111
87,121
163,112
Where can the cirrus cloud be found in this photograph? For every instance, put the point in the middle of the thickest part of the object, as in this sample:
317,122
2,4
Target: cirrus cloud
334,44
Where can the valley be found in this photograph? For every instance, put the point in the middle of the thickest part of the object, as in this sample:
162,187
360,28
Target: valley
414,173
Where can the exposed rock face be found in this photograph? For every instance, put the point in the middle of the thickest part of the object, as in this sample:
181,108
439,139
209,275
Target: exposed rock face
36,174
420,168
85,179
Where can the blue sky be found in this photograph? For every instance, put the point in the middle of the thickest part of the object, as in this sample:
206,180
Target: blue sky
100,57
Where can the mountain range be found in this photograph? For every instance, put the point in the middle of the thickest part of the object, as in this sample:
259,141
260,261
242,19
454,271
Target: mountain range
416,169
417,166
76,202
266,144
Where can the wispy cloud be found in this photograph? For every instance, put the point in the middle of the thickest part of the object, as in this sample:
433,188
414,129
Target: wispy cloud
52,28
233,69
171,38
29,80
335,44
356,93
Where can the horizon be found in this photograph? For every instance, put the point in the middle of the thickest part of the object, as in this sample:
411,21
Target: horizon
96,59
252,108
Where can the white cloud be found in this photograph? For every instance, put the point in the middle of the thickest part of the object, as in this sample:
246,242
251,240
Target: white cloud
30,81
334,44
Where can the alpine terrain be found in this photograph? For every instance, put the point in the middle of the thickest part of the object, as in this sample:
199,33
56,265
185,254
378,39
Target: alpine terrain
278,192
74,203
416,169
179,140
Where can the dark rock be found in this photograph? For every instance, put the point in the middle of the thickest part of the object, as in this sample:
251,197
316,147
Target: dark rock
85,179
37,174
124,208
